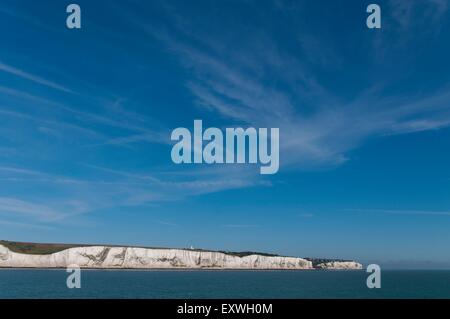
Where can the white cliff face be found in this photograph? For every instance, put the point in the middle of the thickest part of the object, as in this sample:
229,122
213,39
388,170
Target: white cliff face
340,265
143,258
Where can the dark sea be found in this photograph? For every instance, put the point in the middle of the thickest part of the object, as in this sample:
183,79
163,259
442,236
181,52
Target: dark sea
20,283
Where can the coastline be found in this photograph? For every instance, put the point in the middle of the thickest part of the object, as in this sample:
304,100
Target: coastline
123,257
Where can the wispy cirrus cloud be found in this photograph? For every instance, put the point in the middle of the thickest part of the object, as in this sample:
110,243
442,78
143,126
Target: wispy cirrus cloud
402,212
57,124
111,188
33,210
172,186
24,225
317,126
60,116
34,78
408,22
407,13
166,223
241,226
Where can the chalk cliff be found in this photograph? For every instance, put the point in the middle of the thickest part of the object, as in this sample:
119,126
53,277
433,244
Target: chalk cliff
146,258
340,265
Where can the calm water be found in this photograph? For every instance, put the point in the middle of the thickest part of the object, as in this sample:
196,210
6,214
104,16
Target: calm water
223,284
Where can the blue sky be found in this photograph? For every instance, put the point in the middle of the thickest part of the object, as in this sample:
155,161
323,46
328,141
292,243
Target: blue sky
364,115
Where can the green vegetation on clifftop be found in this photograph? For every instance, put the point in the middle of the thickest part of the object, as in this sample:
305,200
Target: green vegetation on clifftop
46,249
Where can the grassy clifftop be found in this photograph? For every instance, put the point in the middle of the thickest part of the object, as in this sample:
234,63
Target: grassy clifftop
35,248
46,249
